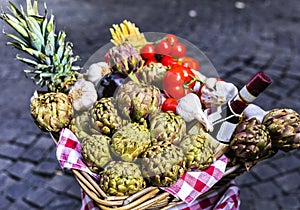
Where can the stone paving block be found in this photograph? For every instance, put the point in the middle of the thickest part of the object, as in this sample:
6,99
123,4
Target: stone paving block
74,191
18,190
274,73
247,205
245,179
44,142
264,171
60,183
4,202
36,180
289,202
64,203
26,139
4,163
19,169
266,190
20,205
45,167
11,151
289,182
34,154
261,60
6,181
286,163
8,134
289,103
40,197
246,193
265,204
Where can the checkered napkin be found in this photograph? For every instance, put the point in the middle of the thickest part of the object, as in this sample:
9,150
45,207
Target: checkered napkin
225,198
68,152
187,188
193,184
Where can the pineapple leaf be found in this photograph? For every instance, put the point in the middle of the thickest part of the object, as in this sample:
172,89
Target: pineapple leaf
35,41
34,26
17,13
15,45
50,26
35,53
44,23
61,44
15,24
18,39
49,48
27,61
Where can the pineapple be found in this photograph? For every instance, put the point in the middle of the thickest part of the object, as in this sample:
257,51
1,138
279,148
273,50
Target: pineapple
52,63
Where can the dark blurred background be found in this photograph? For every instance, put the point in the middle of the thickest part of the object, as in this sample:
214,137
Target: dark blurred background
239,37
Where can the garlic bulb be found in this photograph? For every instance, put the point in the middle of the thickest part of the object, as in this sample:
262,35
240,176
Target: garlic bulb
83,95
189,108
215,92
96,71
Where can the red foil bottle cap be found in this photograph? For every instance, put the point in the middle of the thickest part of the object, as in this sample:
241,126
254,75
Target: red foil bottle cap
258,83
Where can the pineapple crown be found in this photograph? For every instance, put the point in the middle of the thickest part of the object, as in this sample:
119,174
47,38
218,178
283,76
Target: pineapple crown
52,56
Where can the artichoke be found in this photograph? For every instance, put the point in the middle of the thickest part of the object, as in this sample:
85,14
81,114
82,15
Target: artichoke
95,151
104,117
130,141
163,164
79,125
198,151
167,126
121,179
51,111
251,142
284,128
124,58
136,101
152,74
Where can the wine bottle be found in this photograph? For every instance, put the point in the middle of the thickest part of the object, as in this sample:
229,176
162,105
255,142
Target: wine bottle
230,113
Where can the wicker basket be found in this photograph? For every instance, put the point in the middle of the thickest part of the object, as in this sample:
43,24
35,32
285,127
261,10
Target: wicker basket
148,198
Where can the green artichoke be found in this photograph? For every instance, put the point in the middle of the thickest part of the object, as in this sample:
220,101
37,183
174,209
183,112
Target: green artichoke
198,151
124,58
251,142
79,125
152,74
136,101
163,164
51,111
284,128
167,126
95,151
104,117
130,141
121,179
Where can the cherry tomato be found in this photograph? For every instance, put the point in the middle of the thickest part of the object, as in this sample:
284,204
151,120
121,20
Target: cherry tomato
178,50
163,48
190,63
178,82
148,51
172,39
167,60
169,104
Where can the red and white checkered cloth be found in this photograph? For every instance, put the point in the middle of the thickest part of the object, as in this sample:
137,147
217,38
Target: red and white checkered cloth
187,188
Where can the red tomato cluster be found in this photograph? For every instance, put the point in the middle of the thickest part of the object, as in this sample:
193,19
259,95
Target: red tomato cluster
169,51
179,79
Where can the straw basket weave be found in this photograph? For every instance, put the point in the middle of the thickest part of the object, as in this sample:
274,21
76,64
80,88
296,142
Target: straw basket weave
148,198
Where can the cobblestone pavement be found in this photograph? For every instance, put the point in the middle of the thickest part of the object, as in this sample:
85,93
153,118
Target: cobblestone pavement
240,38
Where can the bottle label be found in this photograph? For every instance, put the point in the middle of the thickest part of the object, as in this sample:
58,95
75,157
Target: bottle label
246,95
225,132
